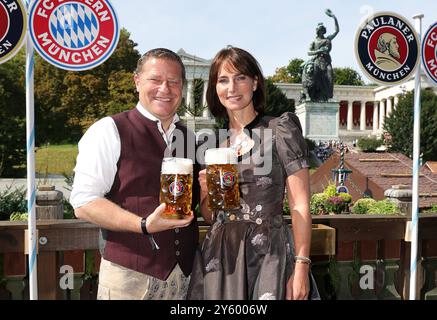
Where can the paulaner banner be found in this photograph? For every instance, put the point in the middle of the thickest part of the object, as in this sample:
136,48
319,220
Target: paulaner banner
387,48
74,35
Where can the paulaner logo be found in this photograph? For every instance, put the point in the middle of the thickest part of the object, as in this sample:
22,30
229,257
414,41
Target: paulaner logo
74,35
12,28
387,48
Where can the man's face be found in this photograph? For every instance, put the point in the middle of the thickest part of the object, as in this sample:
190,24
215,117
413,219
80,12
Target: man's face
160,87
393,48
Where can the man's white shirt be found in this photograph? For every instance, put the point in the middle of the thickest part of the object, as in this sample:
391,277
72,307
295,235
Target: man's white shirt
99,152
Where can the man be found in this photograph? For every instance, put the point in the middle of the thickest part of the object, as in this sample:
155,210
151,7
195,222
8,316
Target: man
117,184
388,52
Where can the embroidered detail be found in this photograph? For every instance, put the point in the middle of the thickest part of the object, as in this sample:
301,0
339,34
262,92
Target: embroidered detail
264,182
258,207
245,208
258,239
212,265
267,296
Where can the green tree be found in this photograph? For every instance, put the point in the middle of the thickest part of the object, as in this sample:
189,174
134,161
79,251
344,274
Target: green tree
68,102
399,124
347,76
276,101
122,92
291,73
50,115
13,115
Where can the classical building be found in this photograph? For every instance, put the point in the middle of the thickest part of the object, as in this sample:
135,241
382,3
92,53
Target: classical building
362,109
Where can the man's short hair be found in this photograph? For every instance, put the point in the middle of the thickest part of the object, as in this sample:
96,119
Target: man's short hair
160,53
384,41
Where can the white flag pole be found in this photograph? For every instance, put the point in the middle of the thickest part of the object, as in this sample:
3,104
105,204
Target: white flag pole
31,191
416,167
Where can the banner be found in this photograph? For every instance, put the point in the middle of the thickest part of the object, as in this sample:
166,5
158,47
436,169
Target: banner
387,48
74,35
13,27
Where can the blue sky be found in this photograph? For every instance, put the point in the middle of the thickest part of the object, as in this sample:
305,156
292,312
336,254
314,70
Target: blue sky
274,31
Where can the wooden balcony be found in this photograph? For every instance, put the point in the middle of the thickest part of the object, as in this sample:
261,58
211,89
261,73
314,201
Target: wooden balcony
341,245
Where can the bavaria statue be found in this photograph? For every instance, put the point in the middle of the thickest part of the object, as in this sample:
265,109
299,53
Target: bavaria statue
317,72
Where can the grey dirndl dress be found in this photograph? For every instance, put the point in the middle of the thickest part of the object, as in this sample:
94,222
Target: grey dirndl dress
248,253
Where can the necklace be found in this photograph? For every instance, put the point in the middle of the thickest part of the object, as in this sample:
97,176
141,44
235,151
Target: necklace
240,145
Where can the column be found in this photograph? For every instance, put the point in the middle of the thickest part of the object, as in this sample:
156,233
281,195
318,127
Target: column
189,102
389,106
206,110
350,119
375,116
381,114
395,102
363,116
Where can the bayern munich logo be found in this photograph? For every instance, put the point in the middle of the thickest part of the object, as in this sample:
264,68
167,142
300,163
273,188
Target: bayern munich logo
228,179
429,52
176,188
13,27
74,35
387,48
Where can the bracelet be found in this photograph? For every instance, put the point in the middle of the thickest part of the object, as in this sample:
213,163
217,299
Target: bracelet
148,235
302,259
143,226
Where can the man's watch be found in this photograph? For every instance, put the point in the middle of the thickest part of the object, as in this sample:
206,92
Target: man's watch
144,227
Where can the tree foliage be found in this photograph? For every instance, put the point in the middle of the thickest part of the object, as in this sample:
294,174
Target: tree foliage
13,115
347,76
399,124
291,73
276,101
68,102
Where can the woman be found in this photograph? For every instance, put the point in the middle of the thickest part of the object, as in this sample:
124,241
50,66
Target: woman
248,253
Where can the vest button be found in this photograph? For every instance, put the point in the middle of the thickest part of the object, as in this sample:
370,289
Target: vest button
176,242
177,253
176,230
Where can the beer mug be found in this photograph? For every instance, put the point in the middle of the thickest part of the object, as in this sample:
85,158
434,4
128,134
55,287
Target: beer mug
176,187
222,179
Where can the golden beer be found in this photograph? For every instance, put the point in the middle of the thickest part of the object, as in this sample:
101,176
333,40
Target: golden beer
176,187
222,179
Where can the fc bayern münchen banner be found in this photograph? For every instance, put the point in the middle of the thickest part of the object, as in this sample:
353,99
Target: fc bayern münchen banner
429,53
13,27
74,35
387,48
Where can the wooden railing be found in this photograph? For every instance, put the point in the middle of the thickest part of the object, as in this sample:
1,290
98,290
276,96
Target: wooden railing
341,245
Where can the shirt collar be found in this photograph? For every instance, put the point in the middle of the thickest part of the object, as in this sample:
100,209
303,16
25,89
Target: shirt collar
150,116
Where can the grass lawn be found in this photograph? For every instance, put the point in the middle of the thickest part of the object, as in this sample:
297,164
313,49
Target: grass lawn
55,159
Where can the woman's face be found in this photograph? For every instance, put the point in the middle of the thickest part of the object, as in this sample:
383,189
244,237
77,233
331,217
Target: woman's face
234,89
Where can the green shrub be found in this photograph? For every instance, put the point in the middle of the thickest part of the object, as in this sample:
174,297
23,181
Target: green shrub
432,209
383,207
361,206
330,190
369,144
311,144
12,201
347,198
18,216
317,204
335,204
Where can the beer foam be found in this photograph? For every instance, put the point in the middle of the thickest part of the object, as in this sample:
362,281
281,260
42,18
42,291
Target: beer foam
177,166
220,156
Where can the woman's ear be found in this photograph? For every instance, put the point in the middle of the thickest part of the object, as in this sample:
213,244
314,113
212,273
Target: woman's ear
255,83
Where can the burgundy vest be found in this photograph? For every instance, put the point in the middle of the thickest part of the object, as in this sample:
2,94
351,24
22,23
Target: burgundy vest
136,188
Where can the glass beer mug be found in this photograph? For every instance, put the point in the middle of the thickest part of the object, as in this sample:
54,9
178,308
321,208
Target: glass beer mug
222,179
176,187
